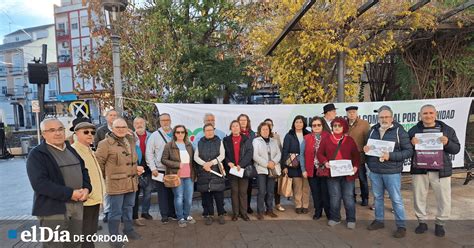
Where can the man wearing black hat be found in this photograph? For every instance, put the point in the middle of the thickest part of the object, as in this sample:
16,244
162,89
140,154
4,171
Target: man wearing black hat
329,111
359,130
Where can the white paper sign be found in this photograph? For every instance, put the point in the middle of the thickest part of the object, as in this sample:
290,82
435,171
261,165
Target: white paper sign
341,167
378,147
159,178
429,141
235,172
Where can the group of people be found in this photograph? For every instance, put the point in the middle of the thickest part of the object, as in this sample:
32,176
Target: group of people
71,182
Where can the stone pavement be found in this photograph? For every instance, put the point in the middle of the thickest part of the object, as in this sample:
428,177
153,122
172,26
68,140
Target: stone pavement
289,230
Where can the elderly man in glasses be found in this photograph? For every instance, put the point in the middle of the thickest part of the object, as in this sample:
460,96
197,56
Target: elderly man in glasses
59,179
85,132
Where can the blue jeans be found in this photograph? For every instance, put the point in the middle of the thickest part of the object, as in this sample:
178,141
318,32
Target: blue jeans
183,198
266,187
391,183
341,189
146,201
121,207
106,203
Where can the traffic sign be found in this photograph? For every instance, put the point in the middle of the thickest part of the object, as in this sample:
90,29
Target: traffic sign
35,106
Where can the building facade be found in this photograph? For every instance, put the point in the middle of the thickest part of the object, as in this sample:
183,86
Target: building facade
18,49
74,44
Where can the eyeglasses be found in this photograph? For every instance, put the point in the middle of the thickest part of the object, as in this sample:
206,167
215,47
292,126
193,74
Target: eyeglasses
52,130
87,132
317,125
121,127
180,132
337,125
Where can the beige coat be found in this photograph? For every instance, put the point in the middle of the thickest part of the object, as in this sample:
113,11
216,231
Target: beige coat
119,165
95,173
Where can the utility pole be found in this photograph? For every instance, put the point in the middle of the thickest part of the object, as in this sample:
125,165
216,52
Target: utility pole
41,87
117,73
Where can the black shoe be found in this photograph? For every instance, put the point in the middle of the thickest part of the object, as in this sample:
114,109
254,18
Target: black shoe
365,202
304,210
439,231
375,225
249,210
165,221
106,217
221,219
316,217
147,216
208,220
245,218
421,228
299,210
234,217
400,232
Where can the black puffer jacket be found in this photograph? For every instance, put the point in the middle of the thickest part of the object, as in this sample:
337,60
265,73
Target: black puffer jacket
209,150
452,148
403,150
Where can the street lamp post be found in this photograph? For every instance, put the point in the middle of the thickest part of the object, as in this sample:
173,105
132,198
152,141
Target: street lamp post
113,9
26,90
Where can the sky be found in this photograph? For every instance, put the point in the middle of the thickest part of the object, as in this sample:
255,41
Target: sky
17,14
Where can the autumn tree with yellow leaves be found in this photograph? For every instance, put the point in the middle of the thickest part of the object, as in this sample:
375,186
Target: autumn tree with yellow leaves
304,64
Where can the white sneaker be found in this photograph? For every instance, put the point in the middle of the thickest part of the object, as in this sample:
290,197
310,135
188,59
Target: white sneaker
333,223
191,220
351,225
182,223
279,208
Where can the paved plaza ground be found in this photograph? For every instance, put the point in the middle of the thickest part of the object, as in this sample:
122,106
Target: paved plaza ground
289,230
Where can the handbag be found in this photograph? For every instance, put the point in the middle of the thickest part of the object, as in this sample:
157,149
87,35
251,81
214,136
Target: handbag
171,180
293,163
285,186
322,170
250,171
272,173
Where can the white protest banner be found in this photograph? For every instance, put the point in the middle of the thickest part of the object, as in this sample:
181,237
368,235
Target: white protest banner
452,111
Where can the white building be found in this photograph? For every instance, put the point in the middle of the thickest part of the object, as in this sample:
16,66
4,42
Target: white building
19,49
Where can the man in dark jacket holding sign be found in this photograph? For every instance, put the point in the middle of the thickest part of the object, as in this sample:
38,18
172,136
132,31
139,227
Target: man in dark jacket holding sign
385,171
439,178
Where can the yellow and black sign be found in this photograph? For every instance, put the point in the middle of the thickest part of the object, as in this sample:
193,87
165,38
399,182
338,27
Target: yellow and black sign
79,108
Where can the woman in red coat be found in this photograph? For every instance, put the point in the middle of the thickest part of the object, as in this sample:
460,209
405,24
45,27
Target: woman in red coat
309,162
340,188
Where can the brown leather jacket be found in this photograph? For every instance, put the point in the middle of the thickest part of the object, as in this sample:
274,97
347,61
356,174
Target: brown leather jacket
118,163
171,159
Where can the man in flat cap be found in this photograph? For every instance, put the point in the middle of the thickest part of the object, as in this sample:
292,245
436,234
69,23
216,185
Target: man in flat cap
85,132
329,111
359,130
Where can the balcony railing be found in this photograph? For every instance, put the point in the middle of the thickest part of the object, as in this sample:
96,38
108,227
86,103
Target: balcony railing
62,34
64,60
